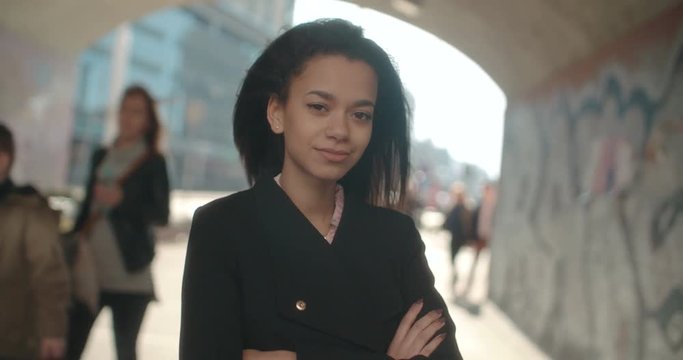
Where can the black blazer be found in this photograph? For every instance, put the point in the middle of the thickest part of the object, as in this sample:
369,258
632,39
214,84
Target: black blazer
259,276
145,203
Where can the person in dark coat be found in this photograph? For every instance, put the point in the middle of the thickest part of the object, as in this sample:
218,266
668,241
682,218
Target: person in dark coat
311,262
459,224
127,193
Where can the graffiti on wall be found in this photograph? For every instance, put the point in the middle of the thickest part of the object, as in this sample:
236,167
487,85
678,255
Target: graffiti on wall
598,206
669,317
666,217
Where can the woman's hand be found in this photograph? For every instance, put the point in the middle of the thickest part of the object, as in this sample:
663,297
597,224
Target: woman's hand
108,195
250,354
413,337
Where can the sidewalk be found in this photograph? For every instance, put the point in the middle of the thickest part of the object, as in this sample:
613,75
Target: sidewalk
488,335
483,332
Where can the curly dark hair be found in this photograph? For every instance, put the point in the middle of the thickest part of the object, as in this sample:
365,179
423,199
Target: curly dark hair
380,176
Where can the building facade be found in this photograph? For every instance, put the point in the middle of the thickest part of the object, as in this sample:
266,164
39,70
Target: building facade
192,59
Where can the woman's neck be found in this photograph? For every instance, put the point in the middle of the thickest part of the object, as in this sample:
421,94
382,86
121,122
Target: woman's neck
313,197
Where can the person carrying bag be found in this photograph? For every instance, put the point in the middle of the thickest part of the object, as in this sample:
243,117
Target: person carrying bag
83,268
127,193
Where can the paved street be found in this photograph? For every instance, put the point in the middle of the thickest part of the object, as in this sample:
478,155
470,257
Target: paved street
488,335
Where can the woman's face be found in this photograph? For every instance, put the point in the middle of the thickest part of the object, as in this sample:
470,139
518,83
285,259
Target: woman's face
133,118
327,119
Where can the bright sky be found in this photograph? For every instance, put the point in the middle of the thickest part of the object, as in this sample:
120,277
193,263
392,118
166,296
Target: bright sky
457,104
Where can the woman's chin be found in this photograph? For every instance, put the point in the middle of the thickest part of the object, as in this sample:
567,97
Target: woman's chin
332,175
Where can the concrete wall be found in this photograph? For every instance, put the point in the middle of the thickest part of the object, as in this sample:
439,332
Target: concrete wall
36,100
587,255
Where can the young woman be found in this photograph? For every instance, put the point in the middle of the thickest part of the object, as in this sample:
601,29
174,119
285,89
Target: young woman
306,264
127,193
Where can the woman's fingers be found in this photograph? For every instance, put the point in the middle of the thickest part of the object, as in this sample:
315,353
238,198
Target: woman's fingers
416,331
398,347
251,354
432,345
428,333
416,336
408,320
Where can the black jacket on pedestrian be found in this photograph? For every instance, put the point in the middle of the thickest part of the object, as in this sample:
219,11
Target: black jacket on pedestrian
145,203
258,275
459,224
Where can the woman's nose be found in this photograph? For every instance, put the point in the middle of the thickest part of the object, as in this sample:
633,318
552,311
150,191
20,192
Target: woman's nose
337,127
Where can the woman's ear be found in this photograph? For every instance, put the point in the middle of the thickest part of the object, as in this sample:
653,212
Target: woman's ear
275,114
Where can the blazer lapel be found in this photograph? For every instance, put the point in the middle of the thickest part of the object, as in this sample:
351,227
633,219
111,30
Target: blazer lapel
317,283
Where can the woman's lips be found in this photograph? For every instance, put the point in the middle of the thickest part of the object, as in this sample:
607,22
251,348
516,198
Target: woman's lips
334,155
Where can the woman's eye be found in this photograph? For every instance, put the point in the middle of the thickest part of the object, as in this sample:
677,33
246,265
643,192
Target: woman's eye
317,107
363,116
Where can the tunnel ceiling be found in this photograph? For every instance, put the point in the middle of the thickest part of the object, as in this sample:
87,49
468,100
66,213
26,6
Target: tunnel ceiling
519,43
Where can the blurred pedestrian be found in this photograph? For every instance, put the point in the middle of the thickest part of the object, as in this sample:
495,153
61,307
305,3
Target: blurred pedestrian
127,193
34,287
306,264
482,224
459,224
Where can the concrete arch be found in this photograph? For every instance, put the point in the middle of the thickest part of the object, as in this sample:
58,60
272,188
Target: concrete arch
519,43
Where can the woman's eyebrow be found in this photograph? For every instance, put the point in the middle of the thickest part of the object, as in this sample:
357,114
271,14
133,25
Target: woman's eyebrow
323,94
364,103
327,96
